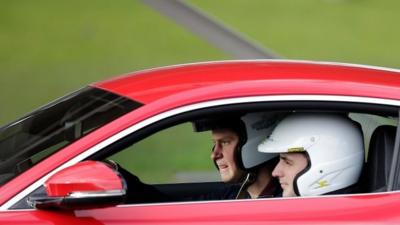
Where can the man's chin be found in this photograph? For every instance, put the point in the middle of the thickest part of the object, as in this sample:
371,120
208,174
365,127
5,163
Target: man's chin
226,179
288,194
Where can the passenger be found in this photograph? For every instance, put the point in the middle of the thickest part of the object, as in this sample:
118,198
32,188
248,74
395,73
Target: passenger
319,154
236,157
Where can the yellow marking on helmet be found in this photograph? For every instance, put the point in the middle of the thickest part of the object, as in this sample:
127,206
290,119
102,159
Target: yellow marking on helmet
297,149
322,183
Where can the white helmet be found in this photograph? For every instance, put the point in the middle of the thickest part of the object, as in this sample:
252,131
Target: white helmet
334,146
258,126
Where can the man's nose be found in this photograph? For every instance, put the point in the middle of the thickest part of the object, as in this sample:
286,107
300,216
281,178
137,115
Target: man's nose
216,152
277,172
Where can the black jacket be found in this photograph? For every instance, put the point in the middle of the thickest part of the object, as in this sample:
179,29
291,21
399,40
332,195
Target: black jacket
139,192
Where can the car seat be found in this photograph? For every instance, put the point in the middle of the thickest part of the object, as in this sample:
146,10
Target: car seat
379,159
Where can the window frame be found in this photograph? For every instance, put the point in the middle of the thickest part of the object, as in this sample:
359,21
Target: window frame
142,129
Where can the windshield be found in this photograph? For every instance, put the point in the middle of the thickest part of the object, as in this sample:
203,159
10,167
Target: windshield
36,136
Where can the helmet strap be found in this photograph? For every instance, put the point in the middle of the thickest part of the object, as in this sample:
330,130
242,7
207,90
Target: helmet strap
295,186
242,193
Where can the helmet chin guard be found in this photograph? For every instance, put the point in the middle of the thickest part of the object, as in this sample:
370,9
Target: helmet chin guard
334,145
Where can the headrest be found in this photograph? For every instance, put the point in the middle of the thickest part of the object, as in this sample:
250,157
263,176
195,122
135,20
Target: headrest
379,159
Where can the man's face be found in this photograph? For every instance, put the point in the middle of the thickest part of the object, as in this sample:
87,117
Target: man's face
225,142
290,164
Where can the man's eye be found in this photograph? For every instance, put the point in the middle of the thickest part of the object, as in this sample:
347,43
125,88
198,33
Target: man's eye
287,162
224,143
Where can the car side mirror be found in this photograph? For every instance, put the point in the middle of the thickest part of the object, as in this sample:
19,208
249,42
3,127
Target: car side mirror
85,185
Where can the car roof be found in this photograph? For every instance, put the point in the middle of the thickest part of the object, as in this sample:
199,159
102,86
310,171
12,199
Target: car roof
250,77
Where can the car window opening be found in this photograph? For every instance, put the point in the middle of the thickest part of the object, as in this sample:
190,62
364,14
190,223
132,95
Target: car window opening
369,123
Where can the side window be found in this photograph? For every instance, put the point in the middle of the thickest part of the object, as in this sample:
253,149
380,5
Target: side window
174,155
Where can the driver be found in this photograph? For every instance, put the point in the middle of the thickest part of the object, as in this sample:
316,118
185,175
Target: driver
236,157
319,154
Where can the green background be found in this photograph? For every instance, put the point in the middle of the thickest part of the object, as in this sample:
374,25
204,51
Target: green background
50,48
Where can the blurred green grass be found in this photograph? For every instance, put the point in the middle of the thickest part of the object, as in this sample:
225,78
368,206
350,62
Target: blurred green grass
355,31
49,48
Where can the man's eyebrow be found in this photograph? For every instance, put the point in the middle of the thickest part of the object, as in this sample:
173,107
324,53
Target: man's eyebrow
227,138
284,157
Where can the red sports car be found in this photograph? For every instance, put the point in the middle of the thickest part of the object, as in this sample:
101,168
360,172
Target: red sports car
52,168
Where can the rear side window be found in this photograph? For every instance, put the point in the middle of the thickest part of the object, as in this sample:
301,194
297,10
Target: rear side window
36,136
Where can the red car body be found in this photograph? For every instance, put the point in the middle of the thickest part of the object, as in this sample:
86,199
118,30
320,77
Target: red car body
164,89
